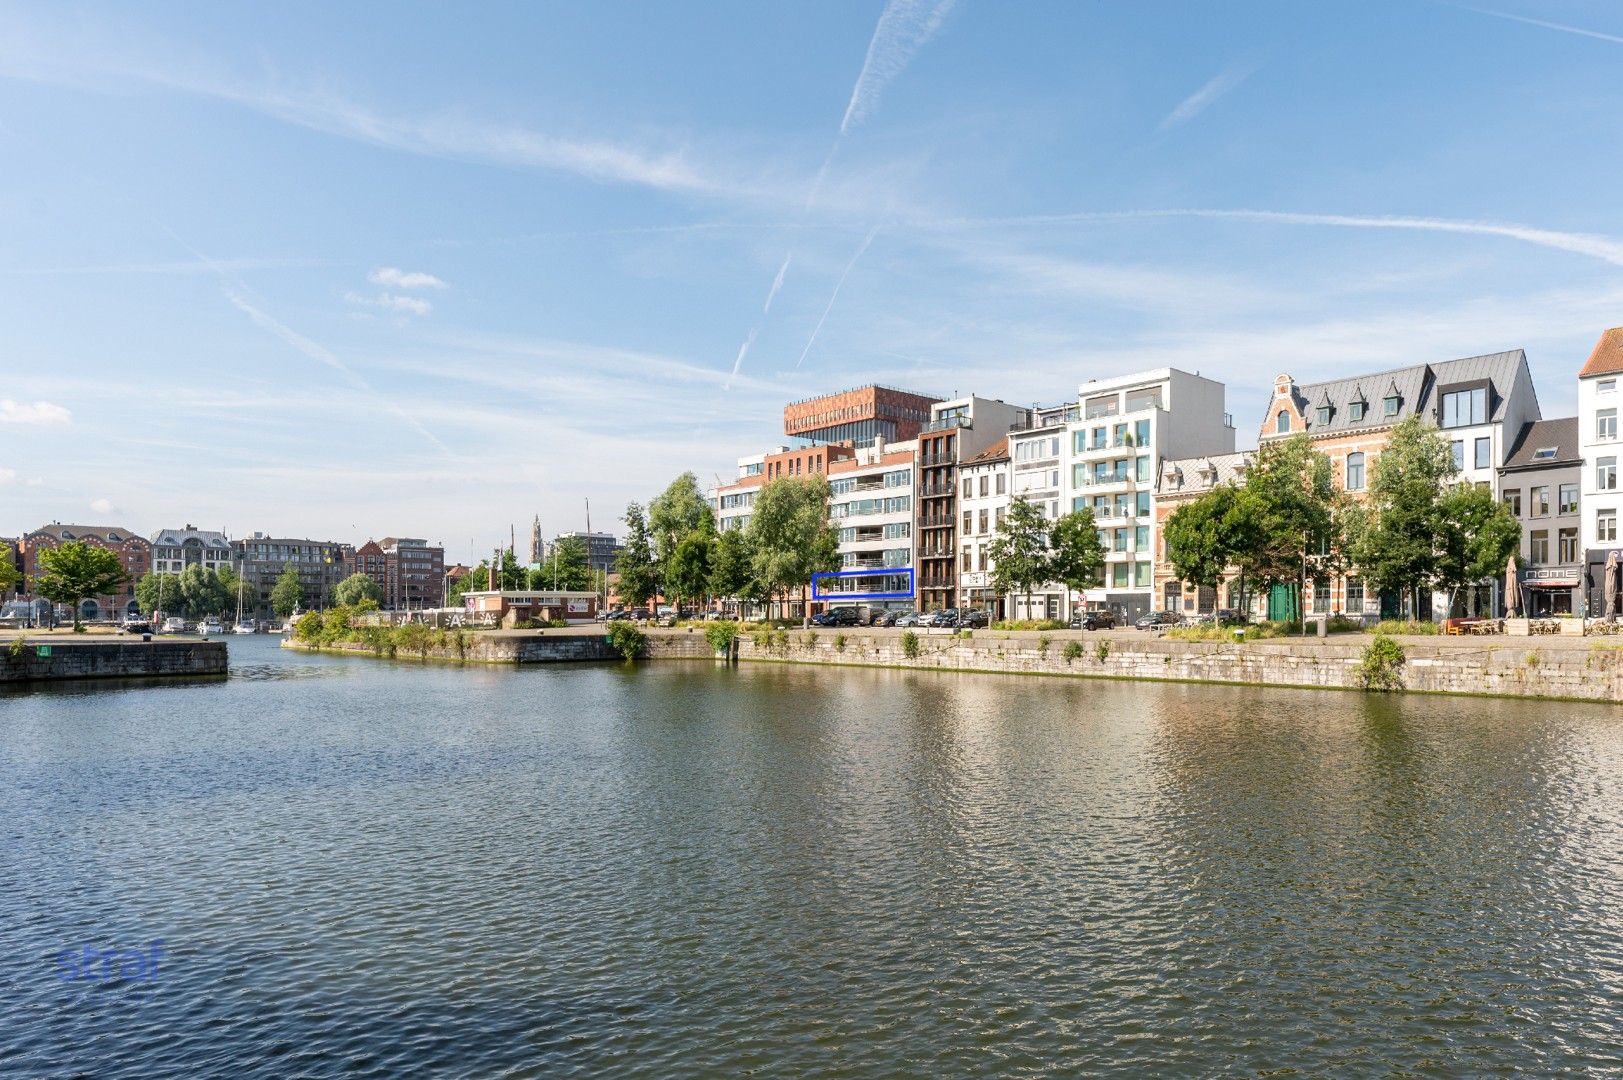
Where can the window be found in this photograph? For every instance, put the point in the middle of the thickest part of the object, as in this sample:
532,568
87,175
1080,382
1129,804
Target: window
997,518
1606,473
980,558
1101,438
1118,506
1567,499
967,517
1606,386
1282,422
1355,472
1142,469
1118,575
967,558
1484,453
1567,543
969,488
1539,497
1148,398
986,483
1324,415
1141,433
1143,504
1390,405
1321,596
1513,499
985,522
1463,408
1355,596
1000,483
1141,538
1606,424
1121,541
1458,447
1119,436
1538,546
1605,525
1355,411
1544,453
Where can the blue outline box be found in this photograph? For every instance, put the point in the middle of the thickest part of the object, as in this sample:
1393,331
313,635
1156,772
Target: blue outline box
873,571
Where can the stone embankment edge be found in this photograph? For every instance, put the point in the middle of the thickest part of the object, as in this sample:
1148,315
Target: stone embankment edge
82,660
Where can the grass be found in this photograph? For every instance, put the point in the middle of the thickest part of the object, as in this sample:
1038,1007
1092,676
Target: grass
1028,624
1405,626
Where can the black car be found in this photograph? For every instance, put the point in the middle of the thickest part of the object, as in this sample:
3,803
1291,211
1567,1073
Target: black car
888,618
947,617
974,620
1230,617
843,616
1093,620
1158,620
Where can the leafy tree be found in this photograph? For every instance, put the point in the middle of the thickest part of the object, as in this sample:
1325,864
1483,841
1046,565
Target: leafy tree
1477,535
675,513
1294,514
1020,551
76,571
639,580
566,568
9,574
355,589
475,580
203,593
154,591
288,592
230,581
732,572
1076,556
1395,537
1206,536
789,534
687,571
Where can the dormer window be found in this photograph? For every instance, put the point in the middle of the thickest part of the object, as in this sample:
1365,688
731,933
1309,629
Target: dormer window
1355,410
1544,453
1324,415
1282,422
1391,405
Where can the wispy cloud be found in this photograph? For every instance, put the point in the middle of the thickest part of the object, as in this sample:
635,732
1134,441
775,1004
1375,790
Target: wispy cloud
1563,27
738,361
40,413
1197,103
904,27
395,278
187,267
104,506
777,283
838,285
415,305
1593,245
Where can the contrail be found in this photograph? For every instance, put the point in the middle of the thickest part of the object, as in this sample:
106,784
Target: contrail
1565,29
836,295
738,363
904,27
777,283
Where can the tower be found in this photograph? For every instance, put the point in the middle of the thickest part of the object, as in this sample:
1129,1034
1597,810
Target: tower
537,549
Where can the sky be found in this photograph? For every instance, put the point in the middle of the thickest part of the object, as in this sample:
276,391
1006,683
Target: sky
355,270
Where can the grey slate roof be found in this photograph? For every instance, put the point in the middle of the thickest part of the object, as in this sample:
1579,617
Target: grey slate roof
1413,386
1540,434
1192,476
177,537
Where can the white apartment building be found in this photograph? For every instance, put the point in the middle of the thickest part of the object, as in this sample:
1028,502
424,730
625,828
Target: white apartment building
871,508
1124,429
173,550
1037,463
983,500
1598,403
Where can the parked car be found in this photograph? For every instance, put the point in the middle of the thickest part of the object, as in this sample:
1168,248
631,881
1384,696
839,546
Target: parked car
713,616
946,617
1230,617
638,615
843,616
907,618
1100,619
1157,620
975,620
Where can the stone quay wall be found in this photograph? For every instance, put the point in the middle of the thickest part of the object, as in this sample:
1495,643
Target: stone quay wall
51,659
551,646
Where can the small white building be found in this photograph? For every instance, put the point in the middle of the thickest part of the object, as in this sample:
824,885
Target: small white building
1600,448
173,550
984,501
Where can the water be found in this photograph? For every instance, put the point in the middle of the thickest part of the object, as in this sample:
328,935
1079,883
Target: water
376,869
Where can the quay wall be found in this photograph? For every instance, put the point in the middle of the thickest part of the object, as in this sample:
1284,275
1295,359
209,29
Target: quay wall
46,660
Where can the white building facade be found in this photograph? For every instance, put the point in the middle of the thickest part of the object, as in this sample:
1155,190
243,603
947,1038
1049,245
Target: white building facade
1599,400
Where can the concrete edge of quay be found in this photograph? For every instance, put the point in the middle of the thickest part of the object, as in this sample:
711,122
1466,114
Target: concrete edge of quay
1549,668
27,659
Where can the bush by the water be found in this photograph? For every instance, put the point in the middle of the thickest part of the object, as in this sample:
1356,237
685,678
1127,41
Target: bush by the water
720,635
1381,667
337,625
627,638
910,644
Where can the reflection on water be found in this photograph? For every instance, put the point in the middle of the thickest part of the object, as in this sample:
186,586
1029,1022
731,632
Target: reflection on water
681,870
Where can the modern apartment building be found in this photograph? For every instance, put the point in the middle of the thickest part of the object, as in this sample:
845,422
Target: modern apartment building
134,555
1124,429
1539,483
983,501
1180,482
871,509
413,574
1037,463
1598,399
1481,403
601,548
864,416
320,564
957,431
173,550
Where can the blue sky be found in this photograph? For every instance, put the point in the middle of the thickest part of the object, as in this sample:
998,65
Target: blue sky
413,269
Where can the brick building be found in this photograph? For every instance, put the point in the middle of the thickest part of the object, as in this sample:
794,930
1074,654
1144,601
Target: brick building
860,416
134,554
369,560
413,574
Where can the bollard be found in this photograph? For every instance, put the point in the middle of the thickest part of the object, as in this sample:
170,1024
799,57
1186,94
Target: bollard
1324,626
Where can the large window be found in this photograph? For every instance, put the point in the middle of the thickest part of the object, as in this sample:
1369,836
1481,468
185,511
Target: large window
1567,541
1513,500
1282,422
1567,499
1539,497
1606,424
1355,472
1355,596
1605,525
1458,449
1484,453
1606,474
1462,408
1538,546
1321,596
1141,575
1142,469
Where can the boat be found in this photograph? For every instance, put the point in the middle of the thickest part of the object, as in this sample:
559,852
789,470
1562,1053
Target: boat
244,626
210,625
174,625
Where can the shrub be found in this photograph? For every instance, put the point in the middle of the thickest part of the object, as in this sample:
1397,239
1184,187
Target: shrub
910,644
839,642
966,633
1405,626
414,637
309,628
1028,624
627,638
1102,651
1382,665
720,635
810,640
762,637
18,647
1073,651
1042,644
780,639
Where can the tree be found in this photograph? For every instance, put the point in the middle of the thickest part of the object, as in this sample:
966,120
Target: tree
732,572
675,513
235,589
202,592
152,591
789,534
1395,537
1291,516
687,571
475,580
357,589
566,568
76,571
1477,535
1206,536
1076,555
639,580
288,592
1020,551
9,575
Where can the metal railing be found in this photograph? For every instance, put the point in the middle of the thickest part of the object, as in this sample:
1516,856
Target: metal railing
947,423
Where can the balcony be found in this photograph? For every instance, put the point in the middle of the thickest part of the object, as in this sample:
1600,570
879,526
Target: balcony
935,523
947,423
937,459
937,490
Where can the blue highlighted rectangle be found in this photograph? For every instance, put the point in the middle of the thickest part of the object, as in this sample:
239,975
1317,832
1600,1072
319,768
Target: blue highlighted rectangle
872,572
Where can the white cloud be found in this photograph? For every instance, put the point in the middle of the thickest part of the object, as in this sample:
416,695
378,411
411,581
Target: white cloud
103,506
42,413
8,476
904,27
392,302
1196,103
404,279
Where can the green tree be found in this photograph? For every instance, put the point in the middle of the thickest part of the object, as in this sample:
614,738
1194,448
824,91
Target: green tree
153,591
1206,536
9,574
674,514
639,580
732,572
1292,514
1477,535
288,592
1076,555
203,593
1020,551
356,589
1395,536
230,581
475,580
76,571
687,571
789,535
566,568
